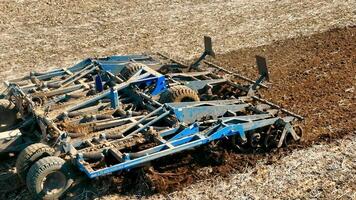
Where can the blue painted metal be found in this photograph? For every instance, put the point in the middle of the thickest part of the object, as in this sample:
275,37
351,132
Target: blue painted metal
113,64
114,68
191,136
192,129
184,141
114,97
191,114
148,78
204,103
160,86
197,85
99,84
195,123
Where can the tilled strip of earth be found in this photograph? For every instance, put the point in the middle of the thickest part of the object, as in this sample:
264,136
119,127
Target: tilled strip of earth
313,76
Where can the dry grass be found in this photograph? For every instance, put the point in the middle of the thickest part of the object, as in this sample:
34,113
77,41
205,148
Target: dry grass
37,35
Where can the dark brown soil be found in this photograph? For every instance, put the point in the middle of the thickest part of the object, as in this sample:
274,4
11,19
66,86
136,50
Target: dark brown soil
313,76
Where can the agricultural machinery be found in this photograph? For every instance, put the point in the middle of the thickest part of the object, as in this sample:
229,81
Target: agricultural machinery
112,114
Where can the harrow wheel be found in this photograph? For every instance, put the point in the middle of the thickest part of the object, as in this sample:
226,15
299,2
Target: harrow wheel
289,138
8,115
131,69
271,141
238,145
29,156
49,178
179,93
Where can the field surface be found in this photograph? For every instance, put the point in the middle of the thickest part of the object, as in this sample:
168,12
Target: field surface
311,57
38,35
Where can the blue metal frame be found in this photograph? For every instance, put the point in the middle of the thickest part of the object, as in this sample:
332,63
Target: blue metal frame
222,115
146,77
192,136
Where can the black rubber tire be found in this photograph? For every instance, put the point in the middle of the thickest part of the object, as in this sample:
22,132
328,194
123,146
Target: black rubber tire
179,93
29,156
131,69
39,174
8,115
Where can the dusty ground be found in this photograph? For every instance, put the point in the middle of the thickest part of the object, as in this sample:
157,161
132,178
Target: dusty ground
37,35
40,35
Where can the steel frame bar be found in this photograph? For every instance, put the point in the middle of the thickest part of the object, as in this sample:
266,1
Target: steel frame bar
184,140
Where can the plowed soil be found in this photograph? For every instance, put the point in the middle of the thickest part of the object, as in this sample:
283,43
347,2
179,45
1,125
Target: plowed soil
313,76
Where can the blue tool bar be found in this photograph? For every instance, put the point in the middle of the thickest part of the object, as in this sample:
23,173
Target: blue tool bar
190,140
189,115
114,97
99,87
147,78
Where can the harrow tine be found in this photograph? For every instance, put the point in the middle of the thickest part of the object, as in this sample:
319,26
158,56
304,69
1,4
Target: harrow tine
208,51
262,70
262,67
208,45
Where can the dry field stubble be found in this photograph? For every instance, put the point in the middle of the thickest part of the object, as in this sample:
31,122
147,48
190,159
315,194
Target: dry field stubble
38,35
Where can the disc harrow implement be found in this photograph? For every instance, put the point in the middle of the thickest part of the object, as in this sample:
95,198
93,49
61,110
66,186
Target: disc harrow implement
106,115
